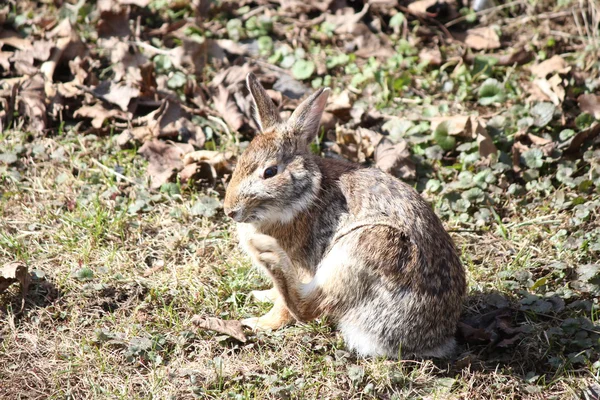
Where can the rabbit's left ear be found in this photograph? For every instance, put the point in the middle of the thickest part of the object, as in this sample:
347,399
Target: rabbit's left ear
265,113
306,119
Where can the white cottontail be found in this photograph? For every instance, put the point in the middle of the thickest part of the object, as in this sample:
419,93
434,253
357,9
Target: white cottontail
341,240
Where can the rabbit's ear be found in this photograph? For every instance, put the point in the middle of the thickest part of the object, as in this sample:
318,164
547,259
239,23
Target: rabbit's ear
306,119
265,113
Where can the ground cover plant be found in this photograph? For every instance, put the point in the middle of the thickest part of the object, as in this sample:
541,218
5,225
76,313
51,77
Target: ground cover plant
121,121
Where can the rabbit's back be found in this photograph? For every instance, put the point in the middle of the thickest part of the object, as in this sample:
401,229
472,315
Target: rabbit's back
395,279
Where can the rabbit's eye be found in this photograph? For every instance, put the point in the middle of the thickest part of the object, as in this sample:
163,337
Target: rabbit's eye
270,172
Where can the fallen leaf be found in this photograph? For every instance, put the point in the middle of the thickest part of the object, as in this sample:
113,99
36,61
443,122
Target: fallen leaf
13,39
482,38
31,102
68,46
116,93
199,172
395,158
421,6
232,76
574,144
157,266
552,88
590,103
554,65
220,161
99,114
228,109
305,6
456,125
432,57
4,57
473,335
231,328
518,148
539,141
113,23
484,140
290,87
164,160
15,272
346,19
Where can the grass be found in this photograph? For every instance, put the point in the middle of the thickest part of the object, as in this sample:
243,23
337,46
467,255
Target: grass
95,327
120,269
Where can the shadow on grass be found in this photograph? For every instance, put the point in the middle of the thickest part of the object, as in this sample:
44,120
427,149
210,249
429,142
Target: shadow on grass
42,293
536,339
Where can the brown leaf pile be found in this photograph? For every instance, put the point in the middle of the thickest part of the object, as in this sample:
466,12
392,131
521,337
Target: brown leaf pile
173,86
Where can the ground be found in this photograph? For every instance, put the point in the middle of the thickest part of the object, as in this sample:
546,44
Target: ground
490,115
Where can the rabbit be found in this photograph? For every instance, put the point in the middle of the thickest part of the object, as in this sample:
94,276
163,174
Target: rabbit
342,240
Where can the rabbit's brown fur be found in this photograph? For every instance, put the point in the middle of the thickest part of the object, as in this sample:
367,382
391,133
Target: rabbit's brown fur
341,240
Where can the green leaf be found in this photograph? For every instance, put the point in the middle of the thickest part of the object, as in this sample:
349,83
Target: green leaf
334,61
474,195
566,134
542,113
533,158
433,186
177,80
441,137
397,20
206,206
265,45
84,274
491,91
584,120
8,158
303,69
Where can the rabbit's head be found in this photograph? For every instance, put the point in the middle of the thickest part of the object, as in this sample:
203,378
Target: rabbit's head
276,177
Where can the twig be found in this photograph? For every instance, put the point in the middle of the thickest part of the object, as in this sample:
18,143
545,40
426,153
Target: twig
115,173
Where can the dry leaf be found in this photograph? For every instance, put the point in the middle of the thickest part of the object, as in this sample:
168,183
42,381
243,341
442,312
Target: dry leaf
116,93
484,140
539,141
164,160
482,38
231,328
13,39
554,65
305,6
30,99
157,266
199,172
421,6
15,272
432,57
220,161
113,23
395,159
518,148
228,109
346,19
99,114
552,89
590,103
576,141
68,46
456,124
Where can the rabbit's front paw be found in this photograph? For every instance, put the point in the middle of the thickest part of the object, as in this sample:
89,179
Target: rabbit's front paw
266,251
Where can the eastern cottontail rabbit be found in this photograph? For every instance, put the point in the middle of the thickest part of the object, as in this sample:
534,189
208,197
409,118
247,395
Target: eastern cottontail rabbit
341,240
